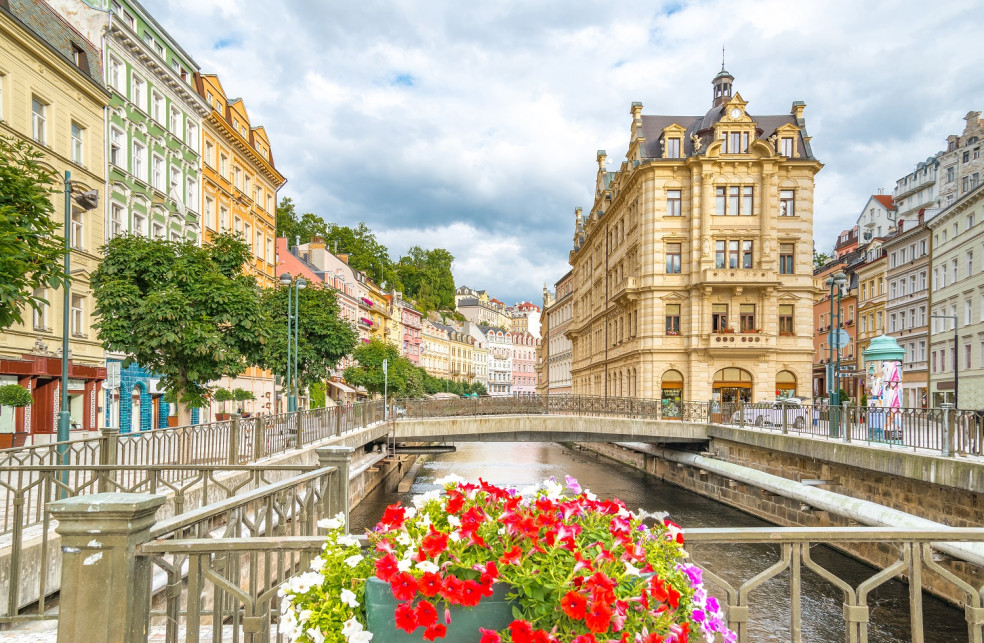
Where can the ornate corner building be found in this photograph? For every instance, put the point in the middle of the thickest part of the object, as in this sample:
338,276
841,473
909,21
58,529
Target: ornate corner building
692,272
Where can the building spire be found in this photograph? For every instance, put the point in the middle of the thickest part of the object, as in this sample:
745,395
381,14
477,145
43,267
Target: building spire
722,57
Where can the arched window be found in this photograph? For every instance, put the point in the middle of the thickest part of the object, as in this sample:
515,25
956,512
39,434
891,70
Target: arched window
732,385
785,385
135,409
671,393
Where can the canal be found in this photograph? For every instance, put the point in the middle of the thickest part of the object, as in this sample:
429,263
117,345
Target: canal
521,464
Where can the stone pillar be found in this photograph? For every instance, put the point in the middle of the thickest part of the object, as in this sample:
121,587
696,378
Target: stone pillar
107,456
105,587
233,457
259,438
338,494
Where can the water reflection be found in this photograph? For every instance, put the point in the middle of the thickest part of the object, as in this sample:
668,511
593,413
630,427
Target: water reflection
521,464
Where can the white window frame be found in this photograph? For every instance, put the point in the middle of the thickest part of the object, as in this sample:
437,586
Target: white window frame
157,172
138,91
78,144
139,159
78,311
114,74
117,219
78,229
39,120
157,105
192,135
191,193
117,140
139,221
39,317
175,122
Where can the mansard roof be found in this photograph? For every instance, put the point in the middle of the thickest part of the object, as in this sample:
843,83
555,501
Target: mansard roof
653,126
53,30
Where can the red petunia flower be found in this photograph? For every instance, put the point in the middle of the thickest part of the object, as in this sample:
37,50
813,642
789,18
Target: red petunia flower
404,586
521,632
585,638
512,557
393,518
426,614
434,543
456,500
653,638
598,617
574,605
489,636
430,584
406,617
470,594
435,631
386,568
451,590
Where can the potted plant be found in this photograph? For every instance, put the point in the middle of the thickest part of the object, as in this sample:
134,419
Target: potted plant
242,395
222,396
14,396
476,562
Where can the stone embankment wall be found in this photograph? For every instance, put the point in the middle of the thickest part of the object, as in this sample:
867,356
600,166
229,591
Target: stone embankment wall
906,491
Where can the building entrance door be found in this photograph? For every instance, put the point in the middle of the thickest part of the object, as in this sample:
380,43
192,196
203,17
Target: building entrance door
731,386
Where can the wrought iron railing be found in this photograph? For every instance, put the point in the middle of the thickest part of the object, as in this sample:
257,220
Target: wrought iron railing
232,582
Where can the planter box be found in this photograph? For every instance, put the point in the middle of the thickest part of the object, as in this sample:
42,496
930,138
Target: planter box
493,613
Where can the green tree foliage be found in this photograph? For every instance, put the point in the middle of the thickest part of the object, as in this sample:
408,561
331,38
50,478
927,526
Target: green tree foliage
242,395
15,395
364,252
369,372
31,250
186,312
820,259
324,337
318,395
426,278
293,226
222,396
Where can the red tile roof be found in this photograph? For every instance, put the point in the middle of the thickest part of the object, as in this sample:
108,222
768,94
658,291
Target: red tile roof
886,200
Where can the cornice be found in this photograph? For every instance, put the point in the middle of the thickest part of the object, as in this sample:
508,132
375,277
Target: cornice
236,140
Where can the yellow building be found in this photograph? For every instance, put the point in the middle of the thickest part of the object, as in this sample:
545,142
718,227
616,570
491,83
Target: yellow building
52,95
872,298
692,270
239,195
435,354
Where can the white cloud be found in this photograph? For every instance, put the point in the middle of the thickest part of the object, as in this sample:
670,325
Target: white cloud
476,125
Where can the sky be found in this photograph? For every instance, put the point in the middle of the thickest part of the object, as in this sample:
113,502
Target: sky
474,126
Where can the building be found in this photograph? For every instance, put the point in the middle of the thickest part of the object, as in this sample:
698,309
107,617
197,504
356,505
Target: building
524,363
961,165
410,323
555,353
435,355
460,353
908,276
478,307
957,302
239,196
916,190
872,297
480,356
524,317
500,356
693,268
52,96
877,218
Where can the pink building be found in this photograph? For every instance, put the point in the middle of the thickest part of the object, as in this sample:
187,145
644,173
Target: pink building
524,363
410,320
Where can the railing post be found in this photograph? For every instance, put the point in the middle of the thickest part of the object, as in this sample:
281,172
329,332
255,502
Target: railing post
947,448
338,494
741,413
298,433
338,419
99,537
259,438
785,418
846,436
107,455
234,439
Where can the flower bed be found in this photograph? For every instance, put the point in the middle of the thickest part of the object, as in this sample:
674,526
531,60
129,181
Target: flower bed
577,569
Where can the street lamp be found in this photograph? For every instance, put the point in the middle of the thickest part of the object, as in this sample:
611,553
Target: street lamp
837,281
293,335
956,356
85,201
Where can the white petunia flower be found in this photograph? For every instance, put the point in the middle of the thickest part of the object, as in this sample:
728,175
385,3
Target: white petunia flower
454,537
554,490
530,491
410,512
623,513
590,496
348,597
361,636
354,560
304,616
403,538
454,521
315,635
404,565
348,541
330,523
630,570
448,479
301,584
427,566
351,627
317,564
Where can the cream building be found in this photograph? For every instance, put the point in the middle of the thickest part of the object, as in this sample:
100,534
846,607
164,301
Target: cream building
958,292
435,353
52,96
693,269
555,349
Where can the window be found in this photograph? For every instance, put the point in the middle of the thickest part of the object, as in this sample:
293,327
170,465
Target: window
175,124
673,203
193,136
259,244
673,148
77,230
734,142
787,146
138,93
38,120
891,323
269,251
222,165
878,326
139,224
246,183
191,193
970,262
78,301
269,203
209,154
139,160
77,148
157,107
785,319
158,231
892,289
954,265
786,251
117,217
237,225
672,319
41,312
966,157
116,74
747,312
223,218
157,173
787,203
967,312
966,355
209,212
734,200
175,185
950,174
747,256
674,252
237,175
719,317
117,155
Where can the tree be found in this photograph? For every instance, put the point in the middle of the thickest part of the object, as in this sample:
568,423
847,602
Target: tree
31,250
15,395
364,252
369,372
820,259
479,388
185,312
325,338
426,278
304,227
222,395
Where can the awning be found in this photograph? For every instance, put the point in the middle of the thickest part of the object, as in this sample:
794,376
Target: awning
341,387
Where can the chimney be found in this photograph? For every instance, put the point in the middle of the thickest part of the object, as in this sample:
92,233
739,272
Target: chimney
343,258
636,112
317,243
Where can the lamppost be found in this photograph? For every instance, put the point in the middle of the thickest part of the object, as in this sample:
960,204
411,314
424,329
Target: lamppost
293,335
956,356
86,201
835,282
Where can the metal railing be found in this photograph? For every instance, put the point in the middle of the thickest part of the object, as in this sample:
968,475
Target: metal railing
232,582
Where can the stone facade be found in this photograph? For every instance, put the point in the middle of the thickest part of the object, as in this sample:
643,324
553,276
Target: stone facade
958,292
556,352
693,269
961,165
52,96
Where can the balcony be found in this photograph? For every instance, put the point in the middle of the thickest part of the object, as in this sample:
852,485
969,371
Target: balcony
738,277
625,292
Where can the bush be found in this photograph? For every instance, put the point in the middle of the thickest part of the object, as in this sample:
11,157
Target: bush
242,395
15,395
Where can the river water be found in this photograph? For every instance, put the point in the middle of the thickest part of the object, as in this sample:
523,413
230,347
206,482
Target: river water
521,464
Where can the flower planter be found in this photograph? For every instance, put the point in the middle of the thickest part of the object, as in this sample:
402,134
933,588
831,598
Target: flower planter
493,613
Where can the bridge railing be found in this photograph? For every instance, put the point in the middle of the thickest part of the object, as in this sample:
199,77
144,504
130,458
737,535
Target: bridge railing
232,580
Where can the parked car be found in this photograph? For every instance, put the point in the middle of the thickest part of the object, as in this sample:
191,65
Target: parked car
770,413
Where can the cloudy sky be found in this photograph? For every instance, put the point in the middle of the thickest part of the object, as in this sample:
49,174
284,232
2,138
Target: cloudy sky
473,126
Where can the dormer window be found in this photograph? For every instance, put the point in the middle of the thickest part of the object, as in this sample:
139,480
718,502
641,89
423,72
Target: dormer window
673,148
734,142
787,146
